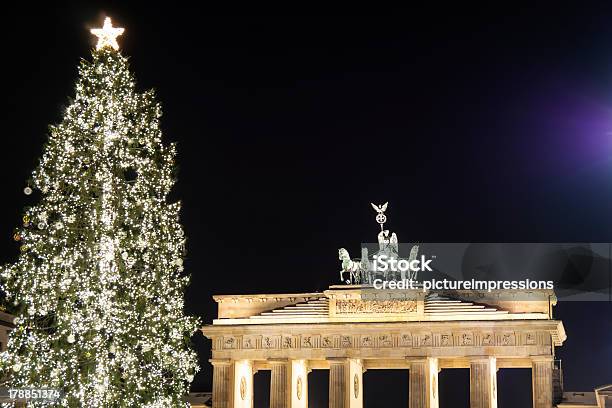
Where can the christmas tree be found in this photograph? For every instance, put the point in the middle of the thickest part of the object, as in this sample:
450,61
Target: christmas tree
98,287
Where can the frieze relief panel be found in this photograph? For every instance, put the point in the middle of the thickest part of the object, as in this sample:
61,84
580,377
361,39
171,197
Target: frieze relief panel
423,340
466,339
310,341
487,339
271,342
367,341
445,340
251,342
358,306
506,339
384,340
230,342
346,341
330,341
530,339
289,342
405,340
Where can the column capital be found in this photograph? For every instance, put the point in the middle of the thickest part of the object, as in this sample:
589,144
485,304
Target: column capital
337,360
220,361
482,359
358,362
278,361
542,359
302,361
419,359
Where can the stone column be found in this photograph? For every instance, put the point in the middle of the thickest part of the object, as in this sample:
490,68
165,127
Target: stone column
541,380
299,384
243,384
337,383
223,382
483,382
423,385
345,383
279,383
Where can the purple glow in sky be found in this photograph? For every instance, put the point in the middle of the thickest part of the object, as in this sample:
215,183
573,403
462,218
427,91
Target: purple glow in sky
570,131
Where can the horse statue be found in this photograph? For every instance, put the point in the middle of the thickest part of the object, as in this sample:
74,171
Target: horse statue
354,268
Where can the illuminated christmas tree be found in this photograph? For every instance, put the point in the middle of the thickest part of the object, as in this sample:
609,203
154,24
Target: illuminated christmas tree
99,284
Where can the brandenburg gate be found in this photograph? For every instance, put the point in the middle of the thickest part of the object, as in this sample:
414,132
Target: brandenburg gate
349,329
355,327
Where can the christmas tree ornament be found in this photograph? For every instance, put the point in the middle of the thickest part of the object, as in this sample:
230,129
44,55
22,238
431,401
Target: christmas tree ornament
70,338
27,191
17,237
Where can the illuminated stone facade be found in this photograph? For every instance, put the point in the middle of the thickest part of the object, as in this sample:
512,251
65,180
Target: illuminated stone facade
350,329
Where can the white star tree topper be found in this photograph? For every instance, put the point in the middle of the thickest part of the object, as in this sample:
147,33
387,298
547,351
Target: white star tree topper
107,35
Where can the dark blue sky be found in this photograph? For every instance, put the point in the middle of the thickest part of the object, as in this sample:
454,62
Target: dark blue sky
477,125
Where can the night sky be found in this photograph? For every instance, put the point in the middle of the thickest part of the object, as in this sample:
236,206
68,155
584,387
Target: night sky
476,126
